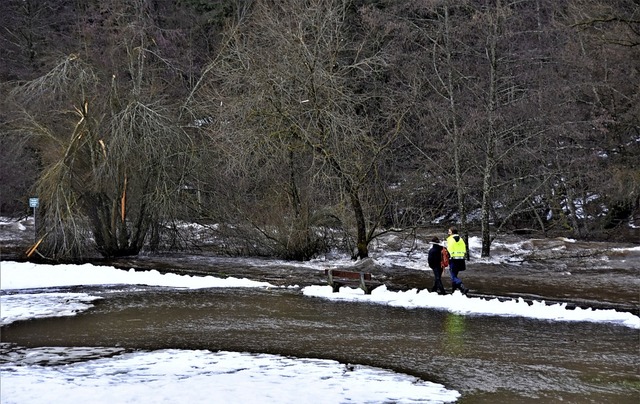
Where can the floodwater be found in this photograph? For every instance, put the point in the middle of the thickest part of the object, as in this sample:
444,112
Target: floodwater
487,359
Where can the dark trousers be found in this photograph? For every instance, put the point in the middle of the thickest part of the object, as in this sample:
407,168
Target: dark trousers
455,266
437,280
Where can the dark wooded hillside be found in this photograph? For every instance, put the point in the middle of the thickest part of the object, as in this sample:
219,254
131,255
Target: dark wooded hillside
291,127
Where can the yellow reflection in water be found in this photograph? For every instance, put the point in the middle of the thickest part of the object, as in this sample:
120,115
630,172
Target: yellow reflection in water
454,332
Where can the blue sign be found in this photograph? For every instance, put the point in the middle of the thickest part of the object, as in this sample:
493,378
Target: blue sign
34,202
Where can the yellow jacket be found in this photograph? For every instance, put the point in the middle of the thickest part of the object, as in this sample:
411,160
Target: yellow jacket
456,246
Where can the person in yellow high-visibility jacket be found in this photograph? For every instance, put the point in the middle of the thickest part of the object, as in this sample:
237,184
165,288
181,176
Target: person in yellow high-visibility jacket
458,251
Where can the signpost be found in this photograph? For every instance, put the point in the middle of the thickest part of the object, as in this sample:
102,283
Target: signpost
34,203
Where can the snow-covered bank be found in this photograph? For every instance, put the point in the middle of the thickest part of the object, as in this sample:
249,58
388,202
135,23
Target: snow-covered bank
15,275
460,304
26,275
205,377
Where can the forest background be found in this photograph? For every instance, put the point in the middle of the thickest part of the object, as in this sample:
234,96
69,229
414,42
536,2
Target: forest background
289,128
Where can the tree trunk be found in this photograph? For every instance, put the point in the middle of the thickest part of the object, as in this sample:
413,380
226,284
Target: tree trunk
490,140
361,225
454,131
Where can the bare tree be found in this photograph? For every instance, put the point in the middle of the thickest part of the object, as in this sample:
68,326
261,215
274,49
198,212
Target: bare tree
294,82
468,65
114,159
595,102
33,33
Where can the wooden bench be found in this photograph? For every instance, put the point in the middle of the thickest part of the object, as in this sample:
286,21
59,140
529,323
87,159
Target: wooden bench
338,278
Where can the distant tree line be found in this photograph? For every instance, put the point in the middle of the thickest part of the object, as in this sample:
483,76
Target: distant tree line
290,127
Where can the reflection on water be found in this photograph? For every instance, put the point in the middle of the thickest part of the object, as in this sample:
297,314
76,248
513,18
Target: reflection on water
487,359
453,334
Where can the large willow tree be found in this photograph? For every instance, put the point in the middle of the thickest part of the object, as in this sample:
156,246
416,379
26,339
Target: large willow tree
113,158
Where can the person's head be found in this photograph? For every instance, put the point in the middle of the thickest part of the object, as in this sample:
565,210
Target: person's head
453,230
435,240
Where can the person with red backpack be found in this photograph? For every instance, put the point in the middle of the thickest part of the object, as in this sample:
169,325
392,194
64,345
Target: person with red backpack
438,260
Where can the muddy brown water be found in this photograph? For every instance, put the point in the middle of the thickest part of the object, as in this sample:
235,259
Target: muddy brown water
487,359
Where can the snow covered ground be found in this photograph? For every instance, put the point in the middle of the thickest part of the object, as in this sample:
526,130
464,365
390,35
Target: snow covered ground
181,376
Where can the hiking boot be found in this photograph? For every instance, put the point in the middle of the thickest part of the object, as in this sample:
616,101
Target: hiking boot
463,290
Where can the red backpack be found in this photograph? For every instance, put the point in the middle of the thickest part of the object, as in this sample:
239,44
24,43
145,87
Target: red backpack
444,262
